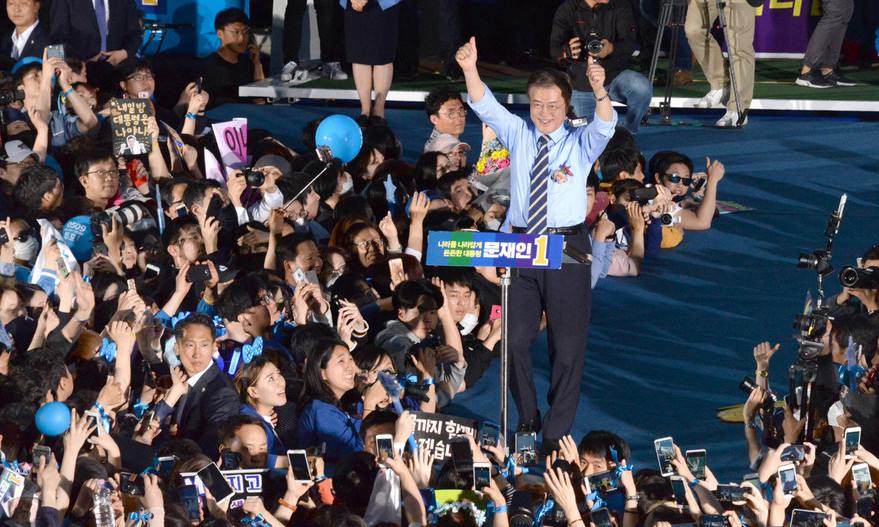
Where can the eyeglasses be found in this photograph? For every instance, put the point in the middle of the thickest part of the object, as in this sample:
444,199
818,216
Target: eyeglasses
113,172
451,114
676,178
365,244
238,32
537,106
141,77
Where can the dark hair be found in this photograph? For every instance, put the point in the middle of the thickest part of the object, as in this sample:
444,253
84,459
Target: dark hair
600,442
24,70
828,492
226,430
353,206
91,156
862,328
407,293
379,138
196,191
377,418
318,357
305,339
459,276
437,97
353,480
195,319
32,184
175,228
444,184
288,246
547,78
623,186
871,254
617,160
328,182
130,67
241,295
661,161
230,16
248,374
425,170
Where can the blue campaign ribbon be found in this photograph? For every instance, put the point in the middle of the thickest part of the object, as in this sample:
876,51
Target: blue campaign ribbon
140,408
219,327
547,506
509,470
108,350
596,499
258,521
153,468
142,516
105,419
250,351
183,315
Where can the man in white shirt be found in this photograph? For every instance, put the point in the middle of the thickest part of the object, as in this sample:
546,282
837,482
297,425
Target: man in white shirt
28,38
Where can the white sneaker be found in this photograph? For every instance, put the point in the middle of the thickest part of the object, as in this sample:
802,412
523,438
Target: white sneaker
729,120
287,71
333,71
712,98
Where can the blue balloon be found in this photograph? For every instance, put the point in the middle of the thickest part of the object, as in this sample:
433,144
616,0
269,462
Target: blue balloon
342,135
53,419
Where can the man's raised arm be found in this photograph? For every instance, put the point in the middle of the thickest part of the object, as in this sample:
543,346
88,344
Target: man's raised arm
466,57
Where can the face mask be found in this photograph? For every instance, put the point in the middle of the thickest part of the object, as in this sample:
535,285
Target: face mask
493,224
348,184
468,323
27,250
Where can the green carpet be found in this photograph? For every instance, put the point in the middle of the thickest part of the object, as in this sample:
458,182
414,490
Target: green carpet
775,80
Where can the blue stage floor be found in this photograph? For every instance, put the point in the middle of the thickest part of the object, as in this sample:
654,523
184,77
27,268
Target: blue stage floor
669,347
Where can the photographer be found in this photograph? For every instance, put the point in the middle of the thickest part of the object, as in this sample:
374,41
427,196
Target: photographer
605,30
862,298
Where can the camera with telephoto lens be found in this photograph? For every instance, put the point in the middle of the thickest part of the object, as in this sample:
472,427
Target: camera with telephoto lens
644,194
859,278
126,214
817,260
254,178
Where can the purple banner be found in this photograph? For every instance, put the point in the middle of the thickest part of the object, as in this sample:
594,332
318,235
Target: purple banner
783,27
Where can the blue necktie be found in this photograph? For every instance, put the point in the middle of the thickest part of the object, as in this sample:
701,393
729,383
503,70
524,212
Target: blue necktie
539,188
101,16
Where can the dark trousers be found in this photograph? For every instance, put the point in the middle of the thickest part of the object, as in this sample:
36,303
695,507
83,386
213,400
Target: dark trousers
825,43
566,296
329,29
450,38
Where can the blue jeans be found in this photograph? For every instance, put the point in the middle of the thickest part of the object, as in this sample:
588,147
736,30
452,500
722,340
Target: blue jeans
630,88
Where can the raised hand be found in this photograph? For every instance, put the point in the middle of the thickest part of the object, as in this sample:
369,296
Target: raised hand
596,75
467,55
763,353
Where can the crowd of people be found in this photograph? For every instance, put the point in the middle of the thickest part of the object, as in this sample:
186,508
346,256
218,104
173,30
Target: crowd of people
281,319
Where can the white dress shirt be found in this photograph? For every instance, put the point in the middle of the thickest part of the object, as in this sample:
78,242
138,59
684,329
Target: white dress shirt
20,41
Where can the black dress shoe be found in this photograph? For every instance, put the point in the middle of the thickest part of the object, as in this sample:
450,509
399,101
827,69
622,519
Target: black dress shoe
531,425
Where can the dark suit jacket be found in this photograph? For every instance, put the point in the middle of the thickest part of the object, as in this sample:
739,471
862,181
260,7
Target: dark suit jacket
38,40
211,401
73,23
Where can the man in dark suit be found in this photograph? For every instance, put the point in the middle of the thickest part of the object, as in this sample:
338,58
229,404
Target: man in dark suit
210,398
29,37
96,30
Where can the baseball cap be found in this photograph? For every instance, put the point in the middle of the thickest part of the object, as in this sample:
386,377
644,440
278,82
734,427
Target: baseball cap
16,151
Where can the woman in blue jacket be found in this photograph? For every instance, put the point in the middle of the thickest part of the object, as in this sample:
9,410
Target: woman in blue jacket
262,389
330,372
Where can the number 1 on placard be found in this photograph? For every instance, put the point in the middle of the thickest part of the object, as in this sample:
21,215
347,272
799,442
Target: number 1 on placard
540,258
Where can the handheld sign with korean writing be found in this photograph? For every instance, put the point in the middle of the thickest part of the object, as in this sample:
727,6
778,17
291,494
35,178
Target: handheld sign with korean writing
129,122
494,249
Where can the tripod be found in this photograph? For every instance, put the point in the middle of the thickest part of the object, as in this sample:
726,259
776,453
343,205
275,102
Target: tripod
671,16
